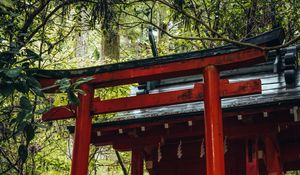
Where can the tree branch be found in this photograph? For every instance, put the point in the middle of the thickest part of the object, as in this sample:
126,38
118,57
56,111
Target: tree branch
169,34
46,19
12,165
220,37
30,20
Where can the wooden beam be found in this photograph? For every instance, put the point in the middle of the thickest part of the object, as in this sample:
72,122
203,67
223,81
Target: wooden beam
149,100
155,100
137,161
125,142
154,134
168,70
275,116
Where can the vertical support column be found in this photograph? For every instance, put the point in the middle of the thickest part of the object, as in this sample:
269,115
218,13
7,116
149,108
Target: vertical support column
213,122
82,133
251,157
137,161
274,166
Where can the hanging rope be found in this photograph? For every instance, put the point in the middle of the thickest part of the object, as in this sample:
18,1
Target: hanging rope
225,145
159,155
179,150
202,149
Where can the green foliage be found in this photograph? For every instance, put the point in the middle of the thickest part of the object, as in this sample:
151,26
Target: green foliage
45,34
23,153
66,86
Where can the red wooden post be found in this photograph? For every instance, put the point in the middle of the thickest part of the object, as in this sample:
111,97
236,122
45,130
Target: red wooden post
213,122
274,166
137,161
82,133
252,167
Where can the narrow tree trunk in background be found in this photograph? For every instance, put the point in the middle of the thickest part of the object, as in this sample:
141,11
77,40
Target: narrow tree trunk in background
275,23
251,17
162,15
217,17
110,46
81,42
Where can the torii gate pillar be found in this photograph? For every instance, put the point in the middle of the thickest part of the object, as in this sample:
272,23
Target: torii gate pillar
80,156
213,122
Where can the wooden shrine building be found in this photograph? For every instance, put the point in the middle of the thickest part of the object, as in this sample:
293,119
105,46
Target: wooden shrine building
228,110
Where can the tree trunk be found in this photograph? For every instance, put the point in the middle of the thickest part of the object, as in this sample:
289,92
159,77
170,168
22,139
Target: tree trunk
81,42
251,17
217,17
110,46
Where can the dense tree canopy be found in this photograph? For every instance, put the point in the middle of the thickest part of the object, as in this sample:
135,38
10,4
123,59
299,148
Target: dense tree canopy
63,34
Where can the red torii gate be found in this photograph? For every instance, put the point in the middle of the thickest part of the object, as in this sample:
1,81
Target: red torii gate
211,91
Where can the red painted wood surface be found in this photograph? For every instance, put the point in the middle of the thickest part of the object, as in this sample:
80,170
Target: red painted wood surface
169,70
149,100
246,113
137,161
153,136
155,100
273,160
252,166
60,113
289,152
213,123
80,157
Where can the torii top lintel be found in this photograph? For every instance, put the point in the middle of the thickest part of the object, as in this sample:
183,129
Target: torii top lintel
142,70
170,69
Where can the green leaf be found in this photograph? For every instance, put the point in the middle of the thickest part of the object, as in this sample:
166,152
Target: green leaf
29,132
32,82
12,121
41,111
29,116
7,57
23,152
21,86
13,73
21,116
25,103
37,91
7,3
43,126
21,126
73,98
79,91
82,80
6,89
64,84
25,65
96,54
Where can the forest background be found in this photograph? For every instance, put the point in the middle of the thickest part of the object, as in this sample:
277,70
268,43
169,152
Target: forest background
66,34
